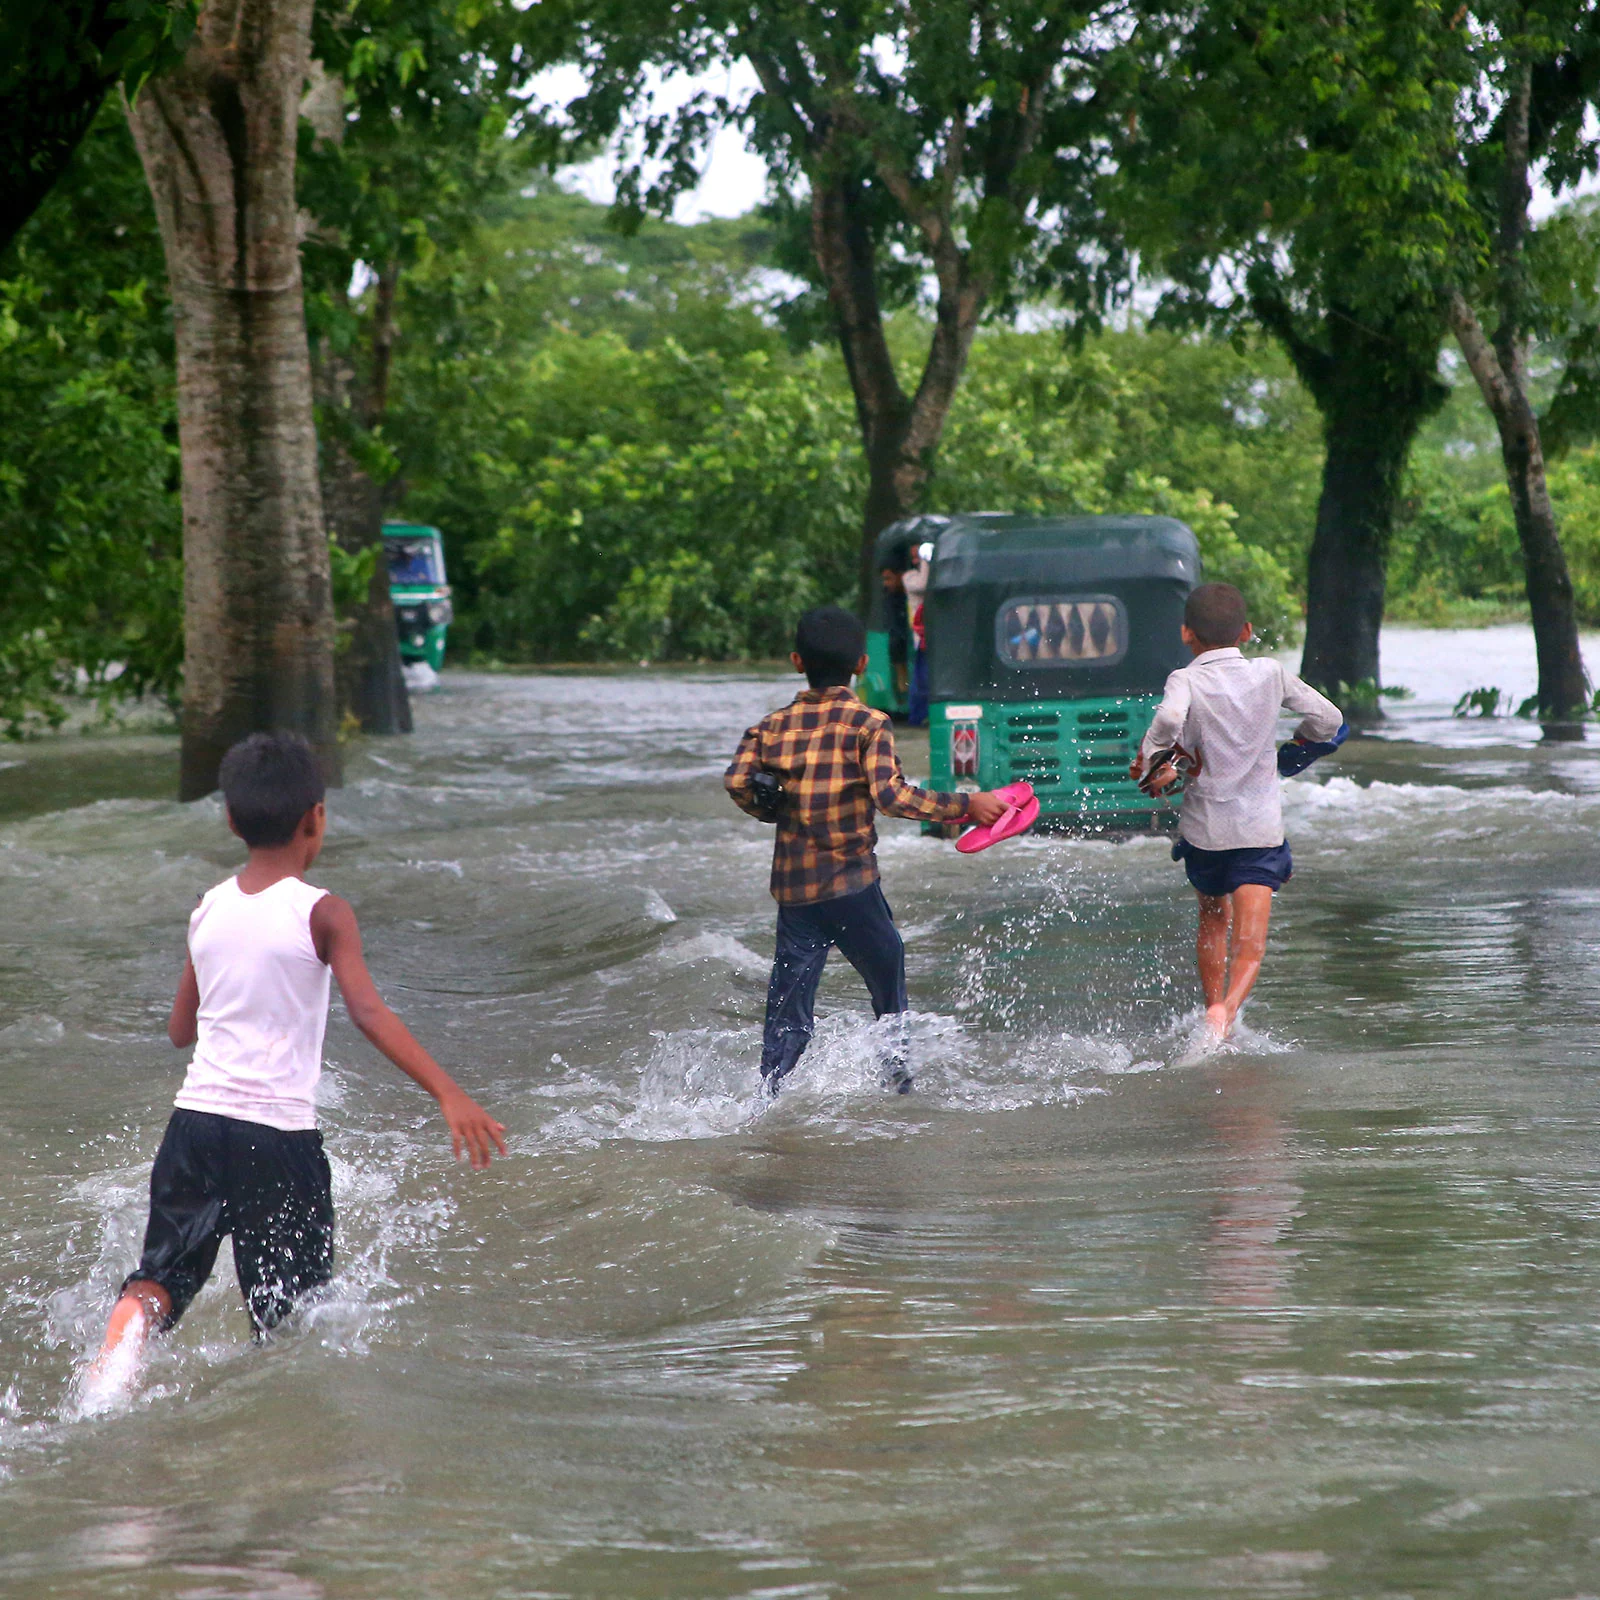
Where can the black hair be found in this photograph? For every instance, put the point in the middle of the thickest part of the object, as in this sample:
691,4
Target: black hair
270,781
1215,614
829,641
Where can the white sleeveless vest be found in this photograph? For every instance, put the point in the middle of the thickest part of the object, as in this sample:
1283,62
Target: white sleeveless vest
263,1005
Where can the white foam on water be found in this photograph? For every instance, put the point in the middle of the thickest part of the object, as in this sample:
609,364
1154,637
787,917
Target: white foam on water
656,907
391,1215
37,1029
1390,801
1190,1040
704,1083
720,947
109,1382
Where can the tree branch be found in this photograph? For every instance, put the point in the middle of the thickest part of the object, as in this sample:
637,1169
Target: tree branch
1481,358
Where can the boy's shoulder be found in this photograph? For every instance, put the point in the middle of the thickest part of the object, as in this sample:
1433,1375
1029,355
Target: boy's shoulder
809,711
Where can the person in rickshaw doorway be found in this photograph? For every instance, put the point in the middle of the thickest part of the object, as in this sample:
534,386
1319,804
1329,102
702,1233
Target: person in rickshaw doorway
915,583
1218,722
821,768
893,580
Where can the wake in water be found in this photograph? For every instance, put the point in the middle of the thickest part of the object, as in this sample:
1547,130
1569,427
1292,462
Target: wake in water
703,1083
392,1215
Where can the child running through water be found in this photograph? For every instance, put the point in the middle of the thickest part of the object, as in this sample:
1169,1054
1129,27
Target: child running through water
242,1154
819,768
1221,713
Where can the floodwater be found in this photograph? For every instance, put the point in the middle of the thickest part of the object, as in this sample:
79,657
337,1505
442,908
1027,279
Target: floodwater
1317,1318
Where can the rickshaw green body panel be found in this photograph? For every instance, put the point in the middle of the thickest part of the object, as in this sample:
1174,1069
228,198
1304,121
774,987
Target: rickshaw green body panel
894,549
1050,640
422,608
1075,753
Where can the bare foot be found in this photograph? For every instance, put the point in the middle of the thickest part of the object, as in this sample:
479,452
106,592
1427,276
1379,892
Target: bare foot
1218,1020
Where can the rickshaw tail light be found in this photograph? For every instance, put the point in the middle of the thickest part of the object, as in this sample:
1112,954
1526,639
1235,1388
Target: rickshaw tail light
964,749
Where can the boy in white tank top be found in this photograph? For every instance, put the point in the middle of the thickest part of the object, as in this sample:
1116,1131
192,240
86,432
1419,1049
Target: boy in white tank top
242,1154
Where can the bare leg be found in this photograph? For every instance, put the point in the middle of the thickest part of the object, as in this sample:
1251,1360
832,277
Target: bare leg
143,1306
1252,911
1211,951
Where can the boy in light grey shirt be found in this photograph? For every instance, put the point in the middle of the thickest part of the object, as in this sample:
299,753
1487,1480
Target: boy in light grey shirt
1218,722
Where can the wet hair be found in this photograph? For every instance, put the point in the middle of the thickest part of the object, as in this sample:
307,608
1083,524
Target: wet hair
270,781
1215,614
829,641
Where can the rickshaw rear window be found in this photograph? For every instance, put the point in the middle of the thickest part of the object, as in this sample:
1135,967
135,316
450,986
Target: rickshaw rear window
1081,630
414,561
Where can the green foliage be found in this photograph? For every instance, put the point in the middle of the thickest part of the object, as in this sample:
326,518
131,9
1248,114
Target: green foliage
58,59
1455,557
680,505
634,496
1480,703
351,574
90,531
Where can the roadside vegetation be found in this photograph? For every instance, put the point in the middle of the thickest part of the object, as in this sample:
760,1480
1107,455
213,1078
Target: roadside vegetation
645,441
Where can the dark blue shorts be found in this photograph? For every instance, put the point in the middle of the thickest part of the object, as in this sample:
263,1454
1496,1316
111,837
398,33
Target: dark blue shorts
1219,872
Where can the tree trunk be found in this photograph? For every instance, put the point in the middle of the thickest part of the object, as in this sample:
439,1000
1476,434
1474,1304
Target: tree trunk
1563,691
899,433
1367,448
1375,382
371,684
372,687
217,138
1500,368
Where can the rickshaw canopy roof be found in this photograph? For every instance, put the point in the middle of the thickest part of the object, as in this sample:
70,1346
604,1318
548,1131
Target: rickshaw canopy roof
1031,608
1051,551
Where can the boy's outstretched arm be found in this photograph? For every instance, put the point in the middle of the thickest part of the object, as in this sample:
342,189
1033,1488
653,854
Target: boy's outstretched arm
183,1025
338,942
897,798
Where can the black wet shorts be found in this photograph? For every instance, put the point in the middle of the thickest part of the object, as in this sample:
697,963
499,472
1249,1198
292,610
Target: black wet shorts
1216,873
268,1188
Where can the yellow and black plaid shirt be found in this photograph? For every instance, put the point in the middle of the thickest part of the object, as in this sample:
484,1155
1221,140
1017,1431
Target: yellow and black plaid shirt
836,760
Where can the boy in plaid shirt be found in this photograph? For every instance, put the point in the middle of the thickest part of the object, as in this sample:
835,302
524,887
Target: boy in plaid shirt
820,769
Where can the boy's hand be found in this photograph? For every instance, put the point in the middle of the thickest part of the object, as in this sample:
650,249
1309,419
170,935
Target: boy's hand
1159,781
472,1128
985,808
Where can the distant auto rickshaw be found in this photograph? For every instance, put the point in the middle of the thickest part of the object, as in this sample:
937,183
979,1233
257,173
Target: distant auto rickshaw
421,595
890,647
1049,642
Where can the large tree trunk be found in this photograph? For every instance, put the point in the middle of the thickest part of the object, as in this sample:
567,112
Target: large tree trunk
1500,368
372,686
1375,382
899,433
1563,685
217,138
1367,446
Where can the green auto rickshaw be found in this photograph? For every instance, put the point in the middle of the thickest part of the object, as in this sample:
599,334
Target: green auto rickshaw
889,643
1049,640
422,609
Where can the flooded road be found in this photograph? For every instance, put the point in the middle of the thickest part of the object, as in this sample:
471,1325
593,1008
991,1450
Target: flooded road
1319,1318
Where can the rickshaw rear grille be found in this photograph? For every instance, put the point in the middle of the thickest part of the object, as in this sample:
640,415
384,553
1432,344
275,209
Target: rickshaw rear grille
1091,719
1035,719
1037,770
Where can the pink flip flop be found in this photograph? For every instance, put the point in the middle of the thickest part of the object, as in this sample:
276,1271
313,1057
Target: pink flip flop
1020,814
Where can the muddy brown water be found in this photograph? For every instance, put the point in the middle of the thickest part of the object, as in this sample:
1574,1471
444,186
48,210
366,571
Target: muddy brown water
1318,1318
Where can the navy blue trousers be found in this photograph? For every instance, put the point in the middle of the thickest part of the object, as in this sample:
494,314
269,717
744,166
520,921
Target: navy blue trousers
862,926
